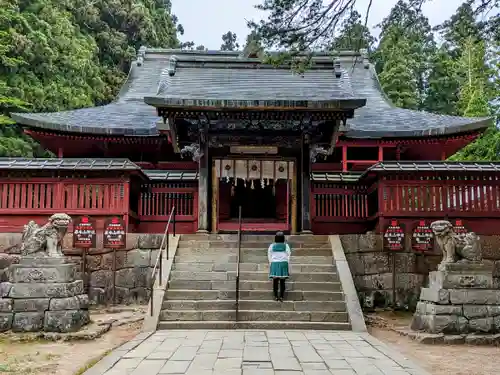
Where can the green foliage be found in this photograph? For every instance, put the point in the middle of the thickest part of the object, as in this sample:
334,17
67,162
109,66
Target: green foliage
253,45
460,27
229,42
471,66
398,78
58,55
405,39
353,35
443,85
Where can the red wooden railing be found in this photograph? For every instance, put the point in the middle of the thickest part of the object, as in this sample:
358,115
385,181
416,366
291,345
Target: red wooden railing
432,198
340,203
157,201
42,197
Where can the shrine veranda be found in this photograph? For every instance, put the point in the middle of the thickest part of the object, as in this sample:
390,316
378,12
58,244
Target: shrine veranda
208,132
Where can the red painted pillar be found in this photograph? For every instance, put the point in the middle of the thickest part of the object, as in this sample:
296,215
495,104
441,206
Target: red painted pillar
126,203
344,158
60,152
380,153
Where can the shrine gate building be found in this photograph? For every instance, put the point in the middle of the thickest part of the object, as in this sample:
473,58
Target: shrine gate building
210,132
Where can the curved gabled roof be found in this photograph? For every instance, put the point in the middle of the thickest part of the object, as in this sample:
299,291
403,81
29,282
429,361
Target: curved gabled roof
130,115
127,115
381,119
214,81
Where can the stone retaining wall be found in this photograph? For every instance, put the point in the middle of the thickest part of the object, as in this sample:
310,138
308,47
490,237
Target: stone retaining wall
133,267
372,267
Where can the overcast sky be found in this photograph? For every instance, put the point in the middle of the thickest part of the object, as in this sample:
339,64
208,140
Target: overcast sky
205,21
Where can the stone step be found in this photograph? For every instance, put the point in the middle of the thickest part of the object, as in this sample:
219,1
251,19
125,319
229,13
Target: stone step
315,251
302,260
333,306
186,294
263,294
248,245
249,258
196,315
251,237
204,325
245,267
293,245
287,305
202,276
293,295
292,285
206,258
199,305
204,266
201,285
266,285
292,316
294,276
254,315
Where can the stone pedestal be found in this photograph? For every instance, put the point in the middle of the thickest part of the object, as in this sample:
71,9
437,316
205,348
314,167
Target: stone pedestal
43,294
461,298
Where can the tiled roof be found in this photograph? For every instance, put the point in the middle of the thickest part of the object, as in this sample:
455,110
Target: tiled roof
212,81
242,81
380,118
68,164
127,115
121,118
162,175
335,177
434,166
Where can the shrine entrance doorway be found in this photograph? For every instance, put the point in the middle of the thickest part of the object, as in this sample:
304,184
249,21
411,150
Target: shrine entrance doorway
256,197
264,189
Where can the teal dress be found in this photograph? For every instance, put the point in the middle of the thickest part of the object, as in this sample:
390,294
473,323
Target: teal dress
279,255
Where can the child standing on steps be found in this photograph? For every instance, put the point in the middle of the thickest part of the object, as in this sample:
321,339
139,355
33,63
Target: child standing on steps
279,256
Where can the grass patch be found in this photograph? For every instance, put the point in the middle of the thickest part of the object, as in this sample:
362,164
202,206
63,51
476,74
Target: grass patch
92,363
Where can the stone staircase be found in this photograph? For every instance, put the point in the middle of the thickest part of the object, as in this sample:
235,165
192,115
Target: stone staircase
201,289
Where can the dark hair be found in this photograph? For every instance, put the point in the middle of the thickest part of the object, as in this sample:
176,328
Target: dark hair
279,237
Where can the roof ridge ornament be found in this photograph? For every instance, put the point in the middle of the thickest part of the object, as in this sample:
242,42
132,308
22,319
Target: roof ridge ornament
366,60
172,65
337,68
141,53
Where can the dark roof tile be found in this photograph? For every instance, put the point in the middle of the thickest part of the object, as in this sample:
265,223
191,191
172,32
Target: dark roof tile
240,80
68,164
230,82
434,166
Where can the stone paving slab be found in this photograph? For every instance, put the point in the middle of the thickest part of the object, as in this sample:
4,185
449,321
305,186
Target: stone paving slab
253,352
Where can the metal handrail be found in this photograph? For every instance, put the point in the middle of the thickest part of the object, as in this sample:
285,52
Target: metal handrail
159,264
238,265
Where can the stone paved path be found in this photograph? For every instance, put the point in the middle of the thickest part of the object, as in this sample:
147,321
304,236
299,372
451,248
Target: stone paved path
197,352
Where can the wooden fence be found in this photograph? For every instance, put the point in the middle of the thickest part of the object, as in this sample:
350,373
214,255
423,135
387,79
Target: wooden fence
36,199
480,197
339,208
475,200
72,197
157,200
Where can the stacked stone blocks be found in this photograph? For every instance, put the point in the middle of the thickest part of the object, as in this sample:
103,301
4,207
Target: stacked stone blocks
43,294
461,298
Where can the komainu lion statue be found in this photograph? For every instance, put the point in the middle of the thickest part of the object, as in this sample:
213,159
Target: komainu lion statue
46,240
463,248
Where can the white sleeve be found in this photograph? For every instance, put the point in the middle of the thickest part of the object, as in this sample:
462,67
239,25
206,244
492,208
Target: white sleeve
269,253
288,250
